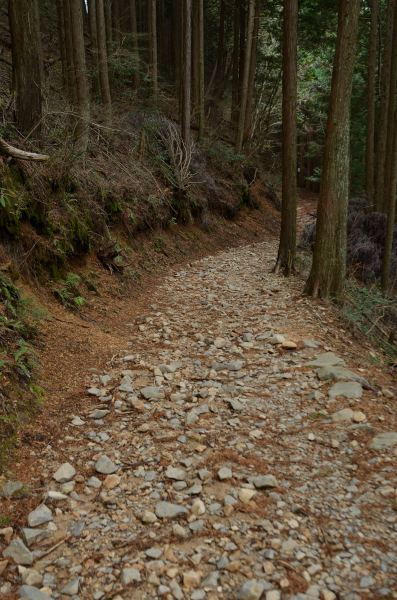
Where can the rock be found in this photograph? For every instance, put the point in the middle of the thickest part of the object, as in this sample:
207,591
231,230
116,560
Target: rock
166,510
315,395
32,593
289,345
154,552
179,532
34,536
264,482
273,595
384,440
387,393
245,495
111,482
235,404
233,366
11,488
33,578
72,588
129,575
349,389
53,495
225,473
191,579
276,339
251,590
328,359
339,374
98,414
6,534
176,590
346,414
311,437
174,473
18,552
148,517
143,428
358,416
42,514
65,473
105,465
152,392
94,482
211,580
198,508
94,392
219,342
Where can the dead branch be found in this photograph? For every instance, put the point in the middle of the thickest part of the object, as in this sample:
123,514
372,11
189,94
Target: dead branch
8,150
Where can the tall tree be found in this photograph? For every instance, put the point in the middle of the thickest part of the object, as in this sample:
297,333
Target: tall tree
177,43
62,42
328,273
384,108
287,246
186,71
245,78
27,62
152,27
391,213
370,146
221,42
93,47
82,106
201,67
103,60
251,81
390,118
135,46
235,59
108,7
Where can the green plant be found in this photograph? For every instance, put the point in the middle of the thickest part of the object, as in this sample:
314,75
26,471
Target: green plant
68,292
4,520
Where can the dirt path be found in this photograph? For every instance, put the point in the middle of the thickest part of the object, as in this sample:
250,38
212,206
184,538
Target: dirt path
211,462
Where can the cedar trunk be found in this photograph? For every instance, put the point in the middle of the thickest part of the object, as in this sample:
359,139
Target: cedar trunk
328,274
27,64
287,246
135,46
186,71
384,109
390,118
236,39
152,20
62,42
93,48
245,78
201,67
82,107
221,43
103,59
251,81
370,148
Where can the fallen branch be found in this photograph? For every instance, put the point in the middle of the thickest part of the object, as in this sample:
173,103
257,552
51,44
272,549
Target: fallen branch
65,539
8,150
71,322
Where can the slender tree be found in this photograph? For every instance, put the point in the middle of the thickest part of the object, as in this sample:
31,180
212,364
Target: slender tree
62,42
391,213
384,108
93,47
186,71
251,81
201,68
27,62
221,42
287,246
108,8
177,43
82,106
245,78
328,274
390,118
103,59
236,41
135,46
370,146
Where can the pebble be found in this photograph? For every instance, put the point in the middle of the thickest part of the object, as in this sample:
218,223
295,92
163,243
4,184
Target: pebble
65,473
19,553
105,465
42,514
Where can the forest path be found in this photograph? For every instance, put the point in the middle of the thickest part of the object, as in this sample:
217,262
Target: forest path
212,462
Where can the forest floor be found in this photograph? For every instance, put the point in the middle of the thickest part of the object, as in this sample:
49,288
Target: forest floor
202,457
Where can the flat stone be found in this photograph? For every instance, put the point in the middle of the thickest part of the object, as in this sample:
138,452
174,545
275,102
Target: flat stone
251,590
264,482
179,531
171,368
328,359
225,473
346,414
339,374
349,389
65,473
42,514
72,588
174,473
144,428
77,421
315,395
276,339
219,342
94,482
151,392
34,536
288,345
98,414
245,495
11,488
105,465
166,510
233,366
32,593
129,575
32,577
94,392
154,552
148,517
358,416
111,482
384,440
211,580
235,404
19,553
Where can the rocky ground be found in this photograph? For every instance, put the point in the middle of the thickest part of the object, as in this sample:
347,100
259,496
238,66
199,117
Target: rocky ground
239,447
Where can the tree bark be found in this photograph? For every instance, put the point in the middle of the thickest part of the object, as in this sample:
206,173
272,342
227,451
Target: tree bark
176,45
103,60
109,42
93,48
251,81
245,78
201,68
82,107
62,42
236,40
391,213
186,71
153,44
384,108
195,57
370,147
328,274
135,45
69,54
27,63
390,118
221,43
287,246
242,49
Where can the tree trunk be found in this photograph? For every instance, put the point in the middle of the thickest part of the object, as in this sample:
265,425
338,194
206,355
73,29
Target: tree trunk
69,54
245,78
94,48
391,213
176,45
135,46
201,68
103,60
153,44
221,43
80,71
62,42
328,274
195,57
27,64
236,39
370,148
251,81
390,118
384,108
186,71
287,246
109,42
242,50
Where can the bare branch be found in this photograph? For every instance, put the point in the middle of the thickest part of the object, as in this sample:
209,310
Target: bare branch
21,154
